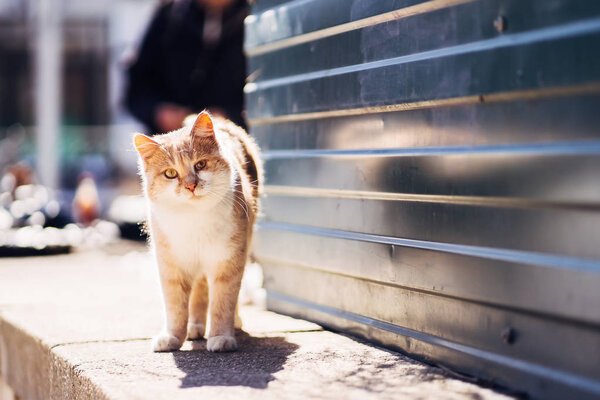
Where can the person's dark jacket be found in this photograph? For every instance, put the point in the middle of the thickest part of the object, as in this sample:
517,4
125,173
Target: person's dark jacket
173,64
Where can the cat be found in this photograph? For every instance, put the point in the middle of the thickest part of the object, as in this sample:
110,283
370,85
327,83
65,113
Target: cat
202,185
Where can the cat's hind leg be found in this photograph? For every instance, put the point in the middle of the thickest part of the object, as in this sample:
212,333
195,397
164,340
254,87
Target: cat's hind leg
237,323
198,309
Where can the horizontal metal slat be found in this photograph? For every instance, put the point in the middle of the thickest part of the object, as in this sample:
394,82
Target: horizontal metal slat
480,201
303,21
558,232
579,28
589,88
504,278
560,172
532,121
437,29
526,63
583,148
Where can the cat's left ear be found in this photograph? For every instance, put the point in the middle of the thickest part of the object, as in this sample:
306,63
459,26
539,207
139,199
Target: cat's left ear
144,145
203,126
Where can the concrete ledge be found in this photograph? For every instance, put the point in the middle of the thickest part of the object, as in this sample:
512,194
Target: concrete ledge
79,326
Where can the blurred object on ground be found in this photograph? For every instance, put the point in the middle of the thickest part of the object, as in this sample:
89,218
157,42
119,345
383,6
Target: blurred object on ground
32,221
37,240
86,203
23,203
252,291
21,174
129,213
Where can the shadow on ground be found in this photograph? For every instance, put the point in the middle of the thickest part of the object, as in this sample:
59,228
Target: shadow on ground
253,365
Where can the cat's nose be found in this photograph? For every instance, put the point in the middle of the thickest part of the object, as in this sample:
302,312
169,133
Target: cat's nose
190,186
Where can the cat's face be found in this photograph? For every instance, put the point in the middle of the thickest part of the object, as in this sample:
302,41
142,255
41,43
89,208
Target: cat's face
186,166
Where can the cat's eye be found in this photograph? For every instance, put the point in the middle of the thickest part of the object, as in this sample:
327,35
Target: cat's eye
200,165
171,173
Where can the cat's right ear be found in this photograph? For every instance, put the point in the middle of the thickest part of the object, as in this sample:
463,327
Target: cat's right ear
144,145
203,126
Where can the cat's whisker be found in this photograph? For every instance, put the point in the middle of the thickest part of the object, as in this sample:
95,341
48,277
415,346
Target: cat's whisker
233,201
242,203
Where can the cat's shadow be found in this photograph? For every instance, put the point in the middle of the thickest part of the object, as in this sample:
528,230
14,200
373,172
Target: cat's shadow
252,365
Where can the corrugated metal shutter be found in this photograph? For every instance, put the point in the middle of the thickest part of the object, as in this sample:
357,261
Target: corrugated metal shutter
433,178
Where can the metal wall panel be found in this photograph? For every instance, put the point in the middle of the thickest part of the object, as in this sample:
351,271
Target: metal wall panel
433,179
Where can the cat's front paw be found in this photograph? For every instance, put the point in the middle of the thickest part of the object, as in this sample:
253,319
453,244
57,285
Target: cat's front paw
196,331
165,342
221,343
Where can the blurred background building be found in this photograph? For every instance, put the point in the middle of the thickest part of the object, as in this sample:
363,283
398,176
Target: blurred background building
61,84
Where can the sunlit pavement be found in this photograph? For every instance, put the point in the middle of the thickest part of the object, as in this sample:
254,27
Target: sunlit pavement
79,326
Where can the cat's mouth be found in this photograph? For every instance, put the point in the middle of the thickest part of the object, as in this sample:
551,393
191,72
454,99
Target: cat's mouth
196,194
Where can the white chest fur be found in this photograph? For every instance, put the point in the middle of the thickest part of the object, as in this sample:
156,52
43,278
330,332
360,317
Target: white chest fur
199,239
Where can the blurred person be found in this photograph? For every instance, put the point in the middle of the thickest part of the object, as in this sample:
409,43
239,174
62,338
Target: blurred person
191,58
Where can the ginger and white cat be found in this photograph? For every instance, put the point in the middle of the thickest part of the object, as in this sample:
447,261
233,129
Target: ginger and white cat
202,187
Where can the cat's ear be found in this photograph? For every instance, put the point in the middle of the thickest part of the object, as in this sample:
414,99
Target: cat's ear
144,145
203,126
